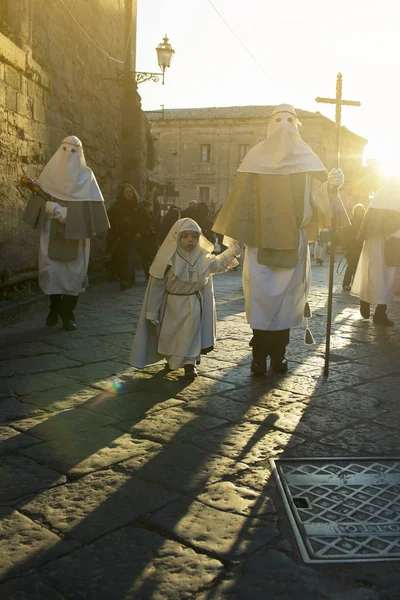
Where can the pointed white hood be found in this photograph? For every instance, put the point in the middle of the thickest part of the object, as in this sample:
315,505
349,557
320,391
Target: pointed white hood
283,152
67,177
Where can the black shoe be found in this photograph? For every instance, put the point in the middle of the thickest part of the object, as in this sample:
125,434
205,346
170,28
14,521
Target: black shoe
365,309
69,325
132,282
52,318
279,366
383,320
259,367
190,371
123,285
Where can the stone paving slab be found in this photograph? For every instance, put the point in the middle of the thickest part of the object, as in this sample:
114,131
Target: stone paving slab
11,408
63,424
203,386
130,406
62,398
81,453
25,544
223,534
182,467
366,439
386,389
350,403
175,424
94,372
122,340
28,588
88,355
36,364
263,394
20,476
96,504
12,440
309,421
133,564
240,500
27,384
19,350
272,574
247,442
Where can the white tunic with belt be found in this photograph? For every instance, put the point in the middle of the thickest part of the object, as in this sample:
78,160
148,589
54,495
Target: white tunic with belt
187,315
61,276
275,296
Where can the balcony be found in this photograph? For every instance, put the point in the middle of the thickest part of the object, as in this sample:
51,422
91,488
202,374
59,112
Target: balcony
205,168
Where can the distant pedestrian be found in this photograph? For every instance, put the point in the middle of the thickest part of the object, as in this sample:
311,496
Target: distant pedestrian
129,222
205,222
378,272
148,244
352,246
191,211
178,317
322,246
68,209
169,219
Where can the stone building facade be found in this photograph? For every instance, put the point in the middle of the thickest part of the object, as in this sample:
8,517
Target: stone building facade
198,150
66,69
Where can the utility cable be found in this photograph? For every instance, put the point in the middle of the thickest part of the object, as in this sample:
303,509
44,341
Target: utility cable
244,46
121,62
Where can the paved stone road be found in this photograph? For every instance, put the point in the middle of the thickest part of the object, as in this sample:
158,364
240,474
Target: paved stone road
118,484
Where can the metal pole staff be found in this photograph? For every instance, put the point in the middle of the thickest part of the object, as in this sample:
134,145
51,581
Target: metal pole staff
335,208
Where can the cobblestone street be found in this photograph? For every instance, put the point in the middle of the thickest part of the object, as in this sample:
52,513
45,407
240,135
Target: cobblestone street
120,484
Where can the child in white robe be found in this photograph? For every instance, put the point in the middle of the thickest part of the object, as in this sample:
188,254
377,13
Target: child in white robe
178,317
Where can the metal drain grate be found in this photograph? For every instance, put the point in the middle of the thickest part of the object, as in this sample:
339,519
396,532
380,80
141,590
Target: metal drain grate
342,509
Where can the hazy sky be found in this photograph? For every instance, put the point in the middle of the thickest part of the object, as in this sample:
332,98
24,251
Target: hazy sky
300,45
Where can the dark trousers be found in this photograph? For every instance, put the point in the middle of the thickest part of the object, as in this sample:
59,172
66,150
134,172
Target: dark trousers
63,305
123,259
352,262
269,343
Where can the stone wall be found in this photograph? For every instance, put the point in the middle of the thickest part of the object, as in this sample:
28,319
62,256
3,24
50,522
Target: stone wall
55,82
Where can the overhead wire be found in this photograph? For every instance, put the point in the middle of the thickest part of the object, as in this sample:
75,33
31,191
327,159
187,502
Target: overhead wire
244,46
121,62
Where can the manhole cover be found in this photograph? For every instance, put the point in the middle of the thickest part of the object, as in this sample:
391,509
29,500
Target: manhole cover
342,509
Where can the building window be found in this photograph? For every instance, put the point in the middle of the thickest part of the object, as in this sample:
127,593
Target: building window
204,194
205,152
243,150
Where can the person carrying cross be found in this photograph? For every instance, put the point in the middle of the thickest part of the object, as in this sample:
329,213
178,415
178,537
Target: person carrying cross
280,184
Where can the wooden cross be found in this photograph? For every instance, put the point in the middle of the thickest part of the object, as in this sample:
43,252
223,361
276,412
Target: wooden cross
339,103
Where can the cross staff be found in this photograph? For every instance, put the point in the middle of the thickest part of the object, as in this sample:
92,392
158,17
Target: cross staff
338,103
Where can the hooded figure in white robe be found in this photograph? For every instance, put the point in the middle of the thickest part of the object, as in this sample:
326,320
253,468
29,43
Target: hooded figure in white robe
280,187
377,276
178,316
68,210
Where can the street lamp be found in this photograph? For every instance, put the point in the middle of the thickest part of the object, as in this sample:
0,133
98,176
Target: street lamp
165,53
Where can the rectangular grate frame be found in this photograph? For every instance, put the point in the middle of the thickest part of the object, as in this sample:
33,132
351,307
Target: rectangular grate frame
342,509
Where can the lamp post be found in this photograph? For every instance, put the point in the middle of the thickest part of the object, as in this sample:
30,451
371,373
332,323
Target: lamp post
165,53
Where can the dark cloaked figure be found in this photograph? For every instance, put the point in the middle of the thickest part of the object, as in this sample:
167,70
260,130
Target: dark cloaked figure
191,211
148,244
168,220
352,246
205,222
129,223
